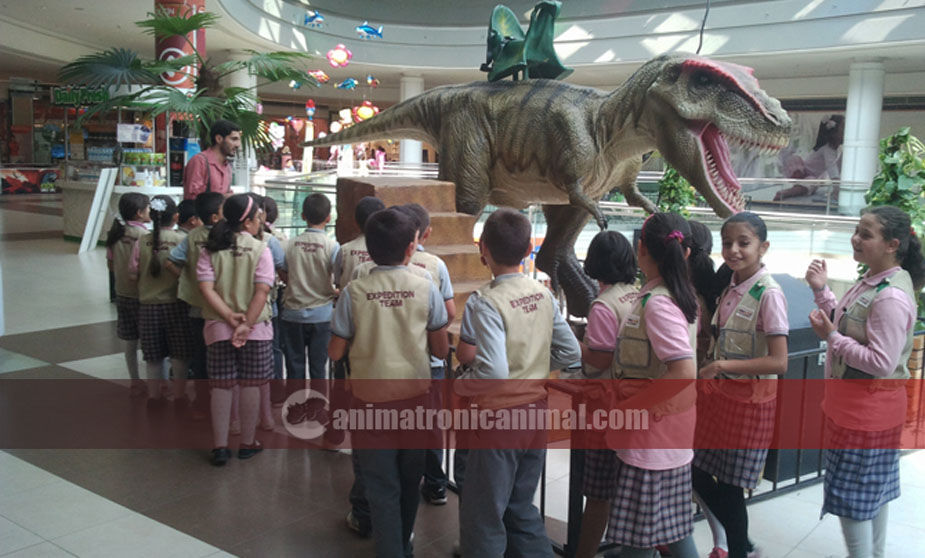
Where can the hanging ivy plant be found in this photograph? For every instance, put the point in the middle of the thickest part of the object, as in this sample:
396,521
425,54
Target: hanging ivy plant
901,183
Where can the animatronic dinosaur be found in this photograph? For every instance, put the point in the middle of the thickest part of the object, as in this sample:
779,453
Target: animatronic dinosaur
515,143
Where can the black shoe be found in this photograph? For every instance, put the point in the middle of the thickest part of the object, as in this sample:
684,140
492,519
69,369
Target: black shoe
295,413
220,456
435,495
247,451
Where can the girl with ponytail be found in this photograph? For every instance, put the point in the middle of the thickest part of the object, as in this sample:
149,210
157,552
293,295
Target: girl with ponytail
121,241
656,343
163,320
235,272
869,343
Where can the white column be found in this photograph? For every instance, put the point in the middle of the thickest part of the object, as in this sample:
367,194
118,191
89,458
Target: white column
410,150
862,133
246,159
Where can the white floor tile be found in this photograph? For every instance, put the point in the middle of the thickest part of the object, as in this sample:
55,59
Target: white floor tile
11,362
108,367
13,537
133,535
43,550
47,285
56,509
17,476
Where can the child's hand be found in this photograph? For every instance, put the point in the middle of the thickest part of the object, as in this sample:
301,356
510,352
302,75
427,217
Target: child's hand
817,275
711,370
821,323
236,318
240,335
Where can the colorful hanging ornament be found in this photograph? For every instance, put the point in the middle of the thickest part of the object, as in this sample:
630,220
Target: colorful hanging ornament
367,31
339,56
295,84
336,127
313,18
364,111
349,83
320,76
371,81
310,109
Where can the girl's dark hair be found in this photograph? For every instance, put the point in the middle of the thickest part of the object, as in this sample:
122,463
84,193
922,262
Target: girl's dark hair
703,276
160,219
270,210
611,259
237,209
827,128
755,222
129,206
897,224
666,235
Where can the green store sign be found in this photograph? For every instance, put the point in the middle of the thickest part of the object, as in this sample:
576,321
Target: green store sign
78,97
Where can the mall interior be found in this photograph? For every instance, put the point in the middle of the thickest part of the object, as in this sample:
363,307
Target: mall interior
858,65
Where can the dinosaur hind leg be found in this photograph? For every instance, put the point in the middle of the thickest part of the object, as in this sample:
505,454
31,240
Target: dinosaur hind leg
557,256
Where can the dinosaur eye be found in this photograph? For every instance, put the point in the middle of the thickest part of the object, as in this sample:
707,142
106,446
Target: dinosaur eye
702,79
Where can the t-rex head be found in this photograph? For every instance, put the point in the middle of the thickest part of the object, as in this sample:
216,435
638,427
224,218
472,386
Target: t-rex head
697,105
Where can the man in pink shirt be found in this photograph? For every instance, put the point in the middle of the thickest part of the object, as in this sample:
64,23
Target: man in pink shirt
210,170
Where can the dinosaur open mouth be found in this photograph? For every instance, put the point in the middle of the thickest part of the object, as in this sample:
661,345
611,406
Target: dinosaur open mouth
718,167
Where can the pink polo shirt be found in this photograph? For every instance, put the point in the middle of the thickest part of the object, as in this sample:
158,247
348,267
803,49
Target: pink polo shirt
195,179
892,315
219,330
667,330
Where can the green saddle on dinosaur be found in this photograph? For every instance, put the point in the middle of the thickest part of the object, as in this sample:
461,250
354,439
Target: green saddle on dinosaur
511,52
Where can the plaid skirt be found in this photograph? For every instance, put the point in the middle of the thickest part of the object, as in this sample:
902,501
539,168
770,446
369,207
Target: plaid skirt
127,318
858,482
600,477
724,423
250,365
165,330
651,507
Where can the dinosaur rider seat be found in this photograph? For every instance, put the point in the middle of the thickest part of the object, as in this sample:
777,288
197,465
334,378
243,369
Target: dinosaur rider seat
511,52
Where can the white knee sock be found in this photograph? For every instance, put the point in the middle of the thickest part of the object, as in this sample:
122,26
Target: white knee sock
180,368
131,358
266,409
156,373
716,528
221,411
858,537
250,407
879,534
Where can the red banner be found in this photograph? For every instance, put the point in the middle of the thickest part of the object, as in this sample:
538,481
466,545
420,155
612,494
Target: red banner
577,414
176,47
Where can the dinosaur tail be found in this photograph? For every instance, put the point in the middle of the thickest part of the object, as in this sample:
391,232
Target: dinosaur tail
417,118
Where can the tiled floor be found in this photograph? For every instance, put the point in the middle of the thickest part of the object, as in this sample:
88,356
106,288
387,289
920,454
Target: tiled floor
58,324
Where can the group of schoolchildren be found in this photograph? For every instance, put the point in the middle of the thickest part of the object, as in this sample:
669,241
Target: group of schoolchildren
732,325
687,321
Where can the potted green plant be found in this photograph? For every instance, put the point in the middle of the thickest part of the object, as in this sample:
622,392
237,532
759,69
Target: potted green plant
137,84
675,194
901,183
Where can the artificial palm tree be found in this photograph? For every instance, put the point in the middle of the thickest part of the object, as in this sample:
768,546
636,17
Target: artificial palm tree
121,69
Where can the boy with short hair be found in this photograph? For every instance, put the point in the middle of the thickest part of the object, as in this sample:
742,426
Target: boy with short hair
182,261
511,330
187,219
435,480
390,339
305,320
354,253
